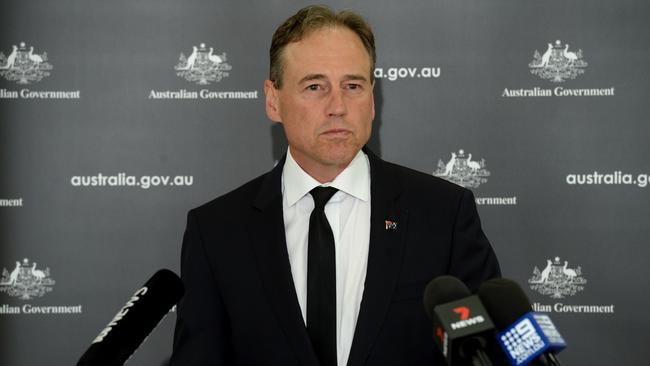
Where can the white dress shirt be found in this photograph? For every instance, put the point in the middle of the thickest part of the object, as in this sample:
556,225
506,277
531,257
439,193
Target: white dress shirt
348,213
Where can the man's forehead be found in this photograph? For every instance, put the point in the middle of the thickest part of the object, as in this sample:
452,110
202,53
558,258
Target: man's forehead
325,36
334,47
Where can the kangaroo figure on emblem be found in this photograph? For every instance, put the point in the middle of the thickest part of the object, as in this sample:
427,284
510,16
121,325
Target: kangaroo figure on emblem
11,60
14,275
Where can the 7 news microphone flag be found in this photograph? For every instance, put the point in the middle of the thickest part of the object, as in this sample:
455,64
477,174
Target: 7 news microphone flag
462,327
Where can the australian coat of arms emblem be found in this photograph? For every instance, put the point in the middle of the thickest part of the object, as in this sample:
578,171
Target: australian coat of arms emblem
557,63
23,65
203,66
26,281
462,170
557,280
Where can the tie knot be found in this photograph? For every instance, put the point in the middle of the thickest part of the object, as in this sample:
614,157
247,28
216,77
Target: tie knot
321,195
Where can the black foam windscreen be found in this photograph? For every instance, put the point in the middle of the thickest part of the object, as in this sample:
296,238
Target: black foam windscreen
143,311
441,290
504,300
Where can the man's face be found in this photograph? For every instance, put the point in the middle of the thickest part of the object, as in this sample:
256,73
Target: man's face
326,102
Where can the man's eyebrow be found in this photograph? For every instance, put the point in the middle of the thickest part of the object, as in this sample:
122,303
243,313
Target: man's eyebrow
347,77
354,77
311,77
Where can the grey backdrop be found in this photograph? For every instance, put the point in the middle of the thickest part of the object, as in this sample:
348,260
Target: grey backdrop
95,245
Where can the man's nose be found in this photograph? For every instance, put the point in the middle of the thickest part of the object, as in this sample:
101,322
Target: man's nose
336,105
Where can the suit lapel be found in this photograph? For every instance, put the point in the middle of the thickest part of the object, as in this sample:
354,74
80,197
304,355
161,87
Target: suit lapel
384,258
266,231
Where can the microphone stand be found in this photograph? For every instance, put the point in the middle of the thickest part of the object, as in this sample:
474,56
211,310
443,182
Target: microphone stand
481,359
474,349
550,359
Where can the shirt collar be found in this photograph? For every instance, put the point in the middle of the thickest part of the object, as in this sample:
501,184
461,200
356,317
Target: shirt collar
353,180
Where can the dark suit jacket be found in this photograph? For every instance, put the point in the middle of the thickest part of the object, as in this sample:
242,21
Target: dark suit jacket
240,305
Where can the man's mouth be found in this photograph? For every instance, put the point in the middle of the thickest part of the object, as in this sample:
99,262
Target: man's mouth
337,132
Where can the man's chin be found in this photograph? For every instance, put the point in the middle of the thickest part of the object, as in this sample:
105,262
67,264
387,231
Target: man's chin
340,159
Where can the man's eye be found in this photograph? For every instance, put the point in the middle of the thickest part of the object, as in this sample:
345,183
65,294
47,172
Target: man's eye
314,87
354,86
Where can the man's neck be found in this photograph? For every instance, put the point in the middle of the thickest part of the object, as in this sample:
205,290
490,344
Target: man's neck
321,173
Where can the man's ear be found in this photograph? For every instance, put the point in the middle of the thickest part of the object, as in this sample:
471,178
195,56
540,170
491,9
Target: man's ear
272,104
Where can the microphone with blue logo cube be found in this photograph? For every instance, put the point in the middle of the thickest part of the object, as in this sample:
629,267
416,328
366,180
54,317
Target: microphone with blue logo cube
529,337
526,337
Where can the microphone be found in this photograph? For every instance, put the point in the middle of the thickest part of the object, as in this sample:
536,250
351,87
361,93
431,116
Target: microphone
462,326
526,336
132,324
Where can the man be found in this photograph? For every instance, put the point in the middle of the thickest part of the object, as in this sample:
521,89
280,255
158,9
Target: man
273,278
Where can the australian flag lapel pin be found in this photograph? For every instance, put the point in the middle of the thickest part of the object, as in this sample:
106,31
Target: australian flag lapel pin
391,225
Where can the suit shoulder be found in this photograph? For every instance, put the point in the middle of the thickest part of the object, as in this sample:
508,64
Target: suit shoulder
237,199
422,183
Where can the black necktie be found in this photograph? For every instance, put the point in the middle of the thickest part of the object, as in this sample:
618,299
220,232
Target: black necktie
321,280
